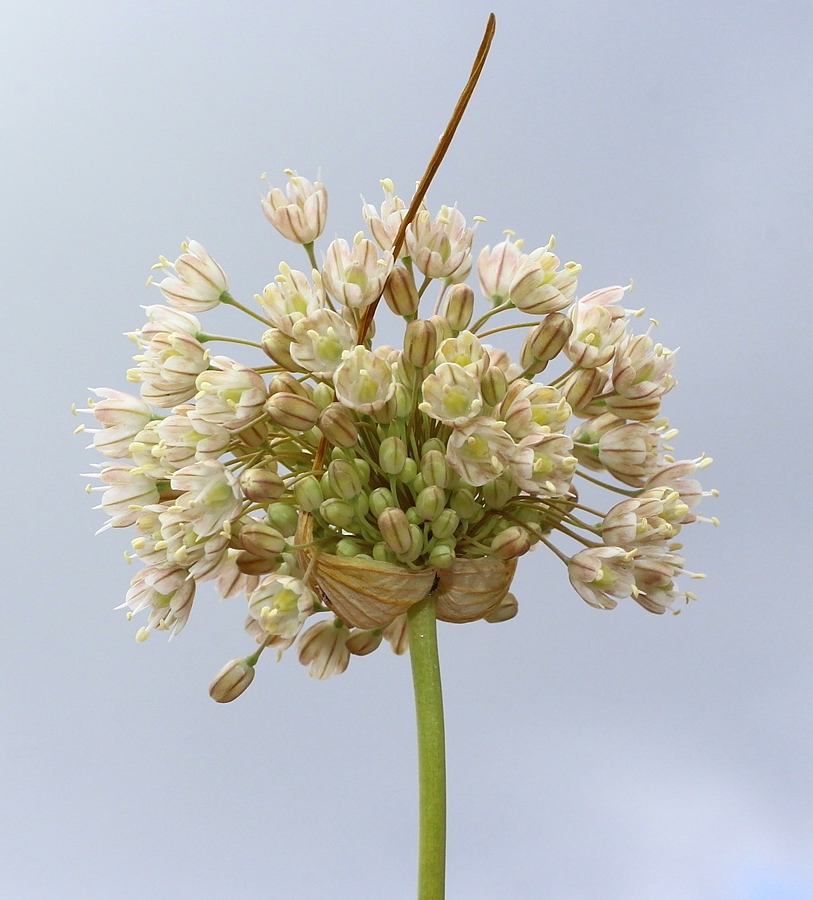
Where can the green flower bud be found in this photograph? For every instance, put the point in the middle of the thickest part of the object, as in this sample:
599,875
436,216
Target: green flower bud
431,502
327,487
464,504
361,504
363,468
459,306
493,385
261,485
396,530
420,343
344,479
308,493
382,553
400,293
445,525
348,547
441,556
433,444
283,517
417,484
498,492
323,396
434,468
413,516
392,455
381,499
410,470
415,546
403,402
338,513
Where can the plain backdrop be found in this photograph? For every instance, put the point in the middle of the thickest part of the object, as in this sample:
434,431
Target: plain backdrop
591,754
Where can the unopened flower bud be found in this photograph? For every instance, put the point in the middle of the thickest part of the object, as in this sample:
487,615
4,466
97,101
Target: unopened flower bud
327,488
283,517
445,525
361,504
284,382
493,385
262,540
415,545
431,502
434,468
403,401
463,503
417,484
344,479
386,412
323,649
360,643
382,553
420,343
308,493
348,547
400,292
395,530
548,338
442,328
338,513
278,347
392,455
414,517
441,556
363,468
322,395
337,426
249,564
409,471
292,411
498,492
261,485
459,306
511,543
506,610
582,386
231,681
381,499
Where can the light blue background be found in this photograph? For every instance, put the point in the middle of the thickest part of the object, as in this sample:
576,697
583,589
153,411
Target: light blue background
591,755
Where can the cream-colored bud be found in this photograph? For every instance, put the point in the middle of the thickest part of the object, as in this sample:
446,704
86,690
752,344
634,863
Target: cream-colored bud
415,545
338,427
442,327
434,468
344,479
392,455
283,517
431,502
445,525
292,411
582,386
493,385
338,513
249,564
381,499
400,292
231,681
511,543
395,530
360,642
284,382
278,347
308,493
420,343
459,306
548,338
505,611
261,485
385,413
262,540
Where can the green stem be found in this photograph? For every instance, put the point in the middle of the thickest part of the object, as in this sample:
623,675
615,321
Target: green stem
423,652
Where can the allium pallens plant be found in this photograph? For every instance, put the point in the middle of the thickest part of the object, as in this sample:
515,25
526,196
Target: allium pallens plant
349,489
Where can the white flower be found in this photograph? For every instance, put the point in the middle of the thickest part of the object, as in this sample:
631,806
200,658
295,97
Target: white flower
323,648
355,275
496,269
229,394
167,592
538,288
130,490
185,438
363,381
291,297
169,368
451,395
532,408
480,451
551,467
299,214
384,225
122,416
440,249
464,350
211,495
198,283
599,574
281,604
595,336
320,340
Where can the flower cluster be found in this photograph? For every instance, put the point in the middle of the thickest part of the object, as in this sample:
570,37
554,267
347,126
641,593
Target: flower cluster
336,477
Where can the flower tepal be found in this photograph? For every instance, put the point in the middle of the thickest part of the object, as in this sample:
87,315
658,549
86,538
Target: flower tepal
336,482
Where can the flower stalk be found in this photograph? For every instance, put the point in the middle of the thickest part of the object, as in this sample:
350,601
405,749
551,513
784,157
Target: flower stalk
423,654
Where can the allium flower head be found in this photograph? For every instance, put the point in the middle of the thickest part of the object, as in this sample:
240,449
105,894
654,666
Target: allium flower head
336,481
